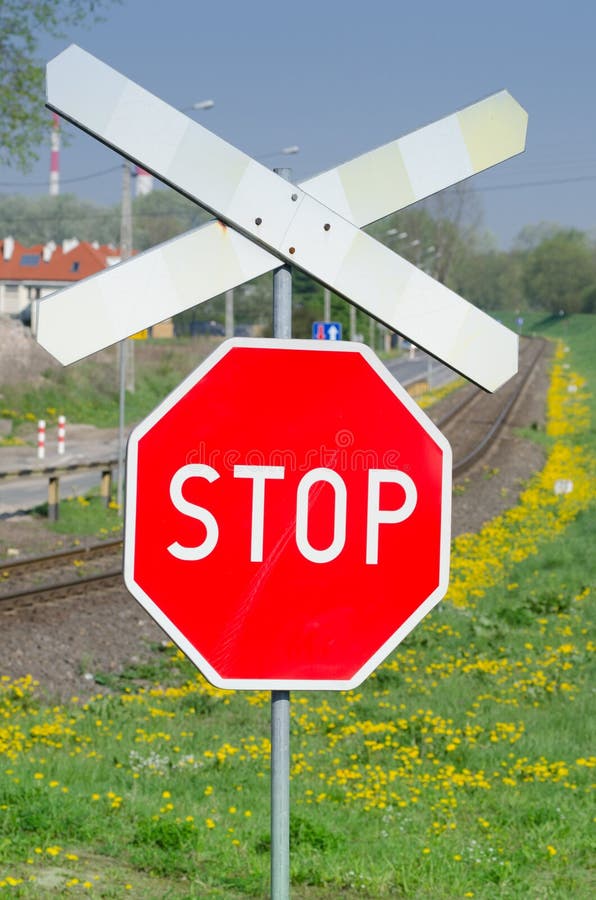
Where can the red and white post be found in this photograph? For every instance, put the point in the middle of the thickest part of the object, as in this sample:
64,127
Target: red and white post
41,439
61,434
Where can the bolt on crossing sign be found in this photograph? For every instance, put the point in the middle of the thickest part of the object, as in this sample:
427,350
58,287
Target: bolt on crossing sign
264,222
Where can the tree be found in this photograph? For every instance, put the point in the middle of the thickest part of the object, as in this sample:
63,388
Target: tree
559,272
162,215
532,235
24,122
491,280
35,220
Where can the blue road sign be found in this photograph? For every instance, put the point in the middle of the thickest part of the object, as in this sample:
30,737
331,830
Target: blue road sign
326,331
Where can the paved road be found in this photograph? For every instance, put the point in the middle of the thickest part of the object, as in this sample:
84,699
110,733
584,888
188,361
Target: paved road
84,444
406,369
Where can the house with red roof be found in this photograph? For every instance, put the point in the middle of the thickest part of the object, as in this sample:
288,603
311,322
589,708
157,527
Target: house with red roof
28,273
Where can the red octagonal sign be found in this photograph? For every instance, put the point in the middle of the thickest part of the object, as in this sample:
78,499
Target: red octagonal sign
288,514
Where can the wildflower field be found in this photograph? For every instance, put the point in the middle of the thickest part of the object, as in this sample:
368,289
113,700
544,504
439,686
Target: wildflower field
462,768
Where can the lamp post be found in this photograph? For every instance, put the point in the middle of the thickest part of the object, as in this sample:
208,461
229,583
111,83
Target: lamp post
126,347
396,235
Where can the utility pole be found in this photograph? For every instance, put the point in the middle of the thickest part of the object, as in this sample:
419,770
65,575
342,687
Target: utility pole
352,322
229,316
126,253
124,354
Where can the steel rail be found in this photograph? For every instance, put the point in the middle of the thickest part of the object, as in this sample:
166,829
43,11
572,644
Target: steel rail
490,435
99,549
45,590
468,399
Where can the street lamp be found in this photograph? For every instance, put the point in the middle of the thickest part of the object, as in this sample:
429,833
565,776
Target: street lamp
203,104
283,151
200,105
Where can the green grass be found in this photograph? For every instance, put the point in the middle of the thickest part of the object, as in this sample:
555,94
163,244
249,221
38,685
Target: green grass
84,516
88,391
461,768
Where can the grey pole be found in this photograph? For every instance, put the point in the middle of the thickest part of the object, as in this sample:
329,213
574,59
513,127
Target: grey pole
352,322
326,305
229,314
125,253
280,700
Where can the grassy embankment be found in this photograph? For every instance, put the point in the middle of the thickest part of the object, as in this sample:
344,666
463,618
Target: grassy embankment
88,391
462,768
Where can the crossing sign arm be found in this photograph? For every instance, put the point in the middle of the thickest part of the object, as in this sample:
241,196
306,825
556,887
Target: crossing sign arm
381,181
427,160
284,220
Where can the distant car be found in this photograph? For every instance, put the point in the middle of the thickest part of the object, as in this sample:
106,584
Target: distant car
211,327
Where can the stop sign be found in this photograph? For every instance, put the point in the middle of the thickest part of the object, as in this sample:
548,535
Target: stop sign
288,514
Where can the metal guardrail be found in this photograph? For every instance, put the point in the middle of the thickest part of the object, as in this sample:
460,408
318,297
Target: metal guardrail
54,473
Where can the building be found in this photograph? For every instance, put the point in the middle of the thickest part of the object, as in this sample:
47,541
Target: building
28,273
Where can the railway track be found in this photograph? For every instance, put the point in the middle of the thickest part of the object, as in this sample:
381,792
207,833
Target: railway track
472,424
25,582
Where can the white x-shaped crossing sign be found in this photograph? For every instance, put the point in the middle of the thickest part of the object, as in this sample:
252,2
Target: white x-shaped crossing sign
314,226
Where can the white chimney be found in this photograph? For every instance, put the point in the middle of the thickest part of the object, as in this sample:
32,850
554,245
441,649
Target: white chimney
8,249
144,182
69,244
55,158
46,253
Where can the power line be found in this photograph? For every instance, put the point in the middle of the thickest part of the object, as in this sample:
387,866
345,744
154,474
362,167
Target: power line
545,183
62,180
496,187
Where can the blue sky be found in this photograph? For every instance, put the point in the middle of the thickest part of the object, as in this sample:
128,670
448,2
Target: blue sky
338,78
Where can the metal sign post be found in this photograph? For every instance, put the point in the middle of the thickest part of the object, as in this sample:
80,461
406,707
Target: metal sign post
280,700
